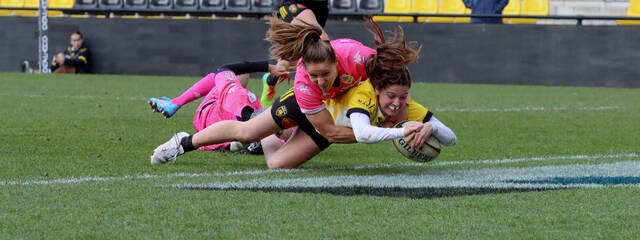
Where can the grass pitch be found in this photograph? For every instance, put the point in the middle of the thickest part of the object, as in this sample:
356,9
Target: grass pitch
531,162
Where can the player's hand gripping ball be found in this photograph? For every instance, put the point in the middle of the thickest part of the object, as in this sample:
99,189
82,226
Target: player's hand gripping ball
425,153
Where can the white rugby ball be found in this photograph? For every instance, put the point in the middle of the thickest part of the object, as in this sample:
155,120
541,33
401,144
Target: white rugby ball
425,153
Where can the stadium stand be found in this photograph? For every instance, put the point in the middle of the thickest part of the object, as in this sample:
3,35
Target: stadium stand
372,6
450,7
161,4
86,4
10,3
185,4
513,8
532,7
396,6
211,4
424,7
238,5
632,11
262,6
136,4
110,4
343,6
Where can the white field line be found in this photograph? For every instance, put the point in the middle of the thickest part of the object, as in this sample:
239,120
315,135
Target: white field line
73,180
527,109
508,109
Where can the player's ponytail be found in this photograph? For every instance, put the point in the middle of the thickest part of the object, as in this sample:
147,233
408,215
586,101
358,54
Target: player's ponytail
292,41
389,65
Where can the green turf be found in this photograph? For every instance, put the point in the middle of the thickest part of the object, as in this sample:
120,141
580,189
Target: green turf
60,127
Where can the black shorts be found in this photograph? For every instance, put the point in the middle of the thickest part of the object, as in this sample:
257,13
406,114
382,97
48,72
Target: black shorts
290,9
286,113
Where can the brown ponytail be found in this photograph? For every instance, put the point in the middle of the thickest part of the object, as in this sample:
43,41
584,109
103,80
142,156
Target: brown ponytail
291,42
389,65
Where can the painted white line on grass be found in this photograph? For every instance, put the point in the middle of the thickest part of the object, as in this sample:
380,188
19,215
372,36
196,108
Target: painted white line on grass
527,109
76,97
620,174
73,180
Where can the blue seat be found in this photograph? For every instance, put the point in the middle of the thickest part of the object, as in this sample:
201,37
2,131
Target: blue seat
237,6
110,4
161,4
372,6
136,4
211,4
342,6
263,6
185,4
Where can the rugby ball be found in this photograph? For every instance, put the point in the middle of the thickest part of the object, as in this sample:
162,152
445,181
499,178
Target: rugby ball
425,153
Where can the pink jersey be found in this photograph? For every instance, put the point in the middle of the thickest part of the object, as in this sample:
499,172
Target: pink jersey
224,102
351,56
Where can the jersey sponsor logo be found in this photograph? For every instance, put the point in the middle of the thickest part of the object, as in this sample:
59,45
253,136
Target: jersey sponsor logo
303,88
366,103
281,111
359,59
283,12
252,97
346,79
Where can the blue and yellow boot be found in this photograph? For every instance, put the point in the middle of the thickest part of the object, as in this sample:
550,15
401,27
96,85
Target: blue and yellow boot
163,106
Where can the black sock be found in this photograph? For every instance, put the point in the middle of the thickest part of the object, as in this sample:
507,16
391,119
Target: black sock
272,80
186,144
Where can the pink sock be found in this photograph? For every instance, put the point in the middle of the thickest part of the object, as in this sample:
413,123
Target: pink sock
198,90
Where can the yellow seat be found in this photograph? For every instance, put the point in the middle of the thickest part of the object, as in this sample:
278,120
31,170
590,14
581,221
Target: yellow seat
513,8
464,19
424,7
29,4
532,7
396,6
633,11
60,3
449,7
10,3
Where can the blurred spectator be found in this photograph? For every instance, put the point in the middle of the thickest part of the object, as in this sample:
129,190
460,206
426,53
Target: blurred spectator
75,58
486,7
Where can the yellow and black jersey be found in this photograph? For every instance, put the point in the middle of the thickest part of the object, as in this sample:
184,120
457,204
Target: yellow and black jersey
362,98
289,9
78,58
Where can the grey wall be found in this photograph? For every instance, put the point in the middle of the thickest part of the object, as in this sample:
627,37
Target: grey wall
470,53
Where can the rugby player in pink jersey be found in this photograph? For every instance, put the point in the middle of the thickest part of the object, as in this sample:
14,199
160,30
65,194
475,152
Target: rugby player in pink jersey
326,72
226,97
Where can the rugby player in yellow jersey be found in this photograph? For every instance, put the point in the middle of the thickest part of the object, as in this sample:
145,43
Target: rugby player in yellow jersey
369,110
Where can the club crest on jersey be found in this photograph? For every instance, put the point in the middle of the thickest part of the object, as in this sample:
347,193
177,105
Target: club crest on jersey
281,111
346,79
293,8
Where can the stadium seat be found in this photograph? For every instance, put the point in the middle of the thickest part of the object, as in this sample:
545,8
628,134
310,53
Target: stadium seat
28,4
342,6
449,7
238,5
12,4
86,4
532,7
424,7
211,4
632,11
110,4
161,4
513,8
464,19
185,4
372,6
396,6
136,4
263,6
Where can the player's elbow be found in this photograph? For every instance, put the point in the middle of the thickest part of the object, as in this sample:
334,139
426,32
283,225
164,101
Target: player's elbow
449,141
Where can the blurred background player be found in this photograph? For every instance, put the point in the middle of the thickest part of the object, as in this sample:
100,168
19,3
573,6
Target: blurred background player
74,59
226,98
314,12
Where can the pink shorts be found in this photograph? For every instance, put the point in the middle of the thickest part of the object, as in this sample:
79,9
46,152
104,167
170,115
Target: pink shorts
224,102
